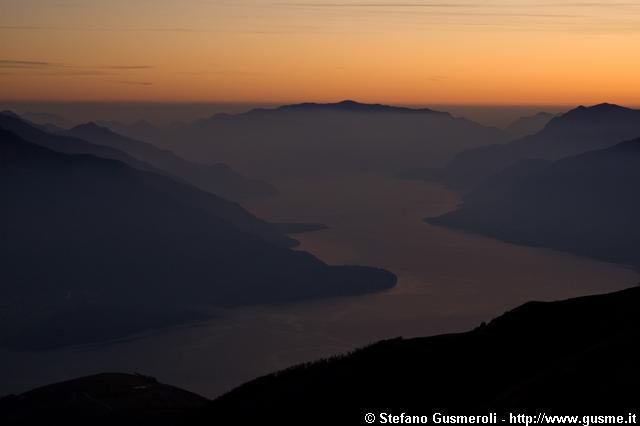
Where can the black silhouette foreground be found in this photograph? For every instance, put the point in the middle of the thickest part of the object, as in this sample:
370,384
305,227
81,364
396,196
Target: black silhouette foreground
578,356
109,398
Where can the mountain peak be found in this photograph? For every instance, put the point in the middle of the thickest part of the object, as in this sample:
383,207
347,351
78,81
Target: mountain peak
349,105
605,111
91,127
608,107
348,102
599,108
9,113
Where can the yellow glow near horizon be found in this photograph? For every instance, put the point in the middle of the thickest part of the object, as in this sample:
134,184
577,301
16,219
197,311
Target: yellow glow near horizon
407,51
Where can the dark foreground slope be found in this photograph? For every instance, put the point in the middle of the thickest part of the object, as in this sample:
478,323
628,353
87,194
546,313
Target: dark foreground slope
103,399
216,178
578,356
93,249
587,204
577,131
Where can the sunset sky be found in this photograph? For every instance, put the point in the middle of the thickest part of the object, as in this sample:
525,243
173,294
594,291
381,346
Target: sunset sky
440,51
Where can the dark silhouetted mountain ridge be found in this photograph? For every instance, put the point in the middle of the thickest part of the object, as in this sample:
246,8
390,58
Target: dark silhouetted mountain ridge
217,178
66,144
579,354
579,130
586,204
103,399
529,125
318,139
353,106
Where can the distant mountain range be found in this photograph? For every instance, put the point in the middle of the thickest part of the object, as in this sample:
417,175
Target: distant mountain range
579,130
529,125
46,118
94,249
313,139
353,106
139,130
586,204
574,357
74,145
67,144
101,141
216,178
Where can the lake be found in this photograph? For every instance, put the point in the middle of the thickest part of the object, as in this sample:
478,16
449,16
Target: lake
448,281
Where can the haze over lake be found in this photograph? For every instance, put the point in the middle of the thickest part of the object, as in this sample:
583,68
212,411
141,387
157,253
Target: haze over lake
448,281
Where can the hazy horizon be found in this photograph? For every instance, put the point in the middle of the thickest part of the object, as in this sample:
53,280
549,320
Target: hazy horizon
168,112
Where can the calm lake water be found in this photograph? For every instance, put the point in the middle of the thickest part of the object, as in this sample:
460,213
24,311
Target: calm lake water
448,281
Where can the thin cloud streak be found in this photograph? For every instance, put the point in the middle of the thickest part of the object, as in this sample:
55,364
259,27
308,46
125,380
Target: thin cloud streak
45,65
129,67
136,83
102,29
55,69
21,64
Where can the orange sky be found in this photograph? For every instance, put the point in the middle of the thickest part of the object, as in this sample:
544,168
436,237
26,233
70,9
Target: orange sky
420,52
